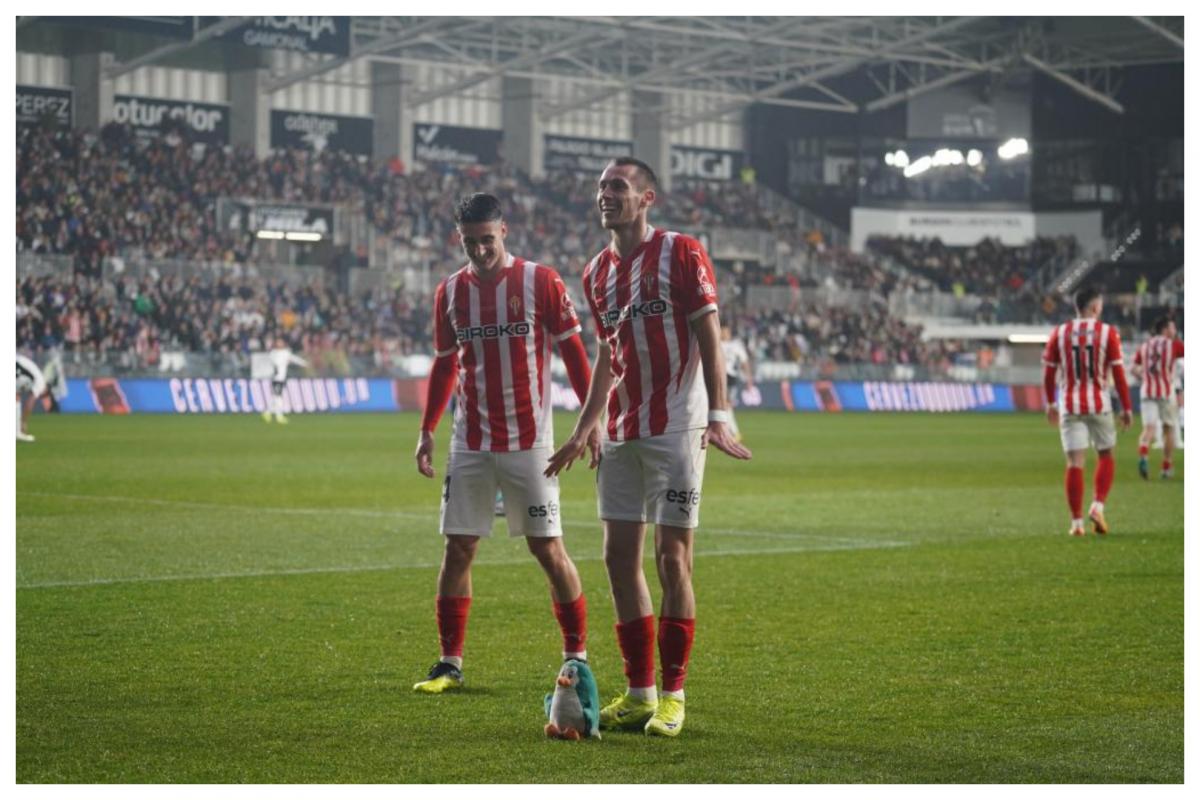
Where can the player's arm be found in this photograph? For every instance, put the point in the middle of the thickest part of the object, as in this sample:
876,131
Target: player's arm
586,434
437,395
1136,369
441,380
712,361
574,356
297,360
1050,363
1118,375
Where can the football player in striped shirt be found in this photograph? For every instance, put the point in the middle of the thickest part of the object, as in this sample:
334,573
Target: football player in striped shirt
1078,357
1154,363
660,374
495,322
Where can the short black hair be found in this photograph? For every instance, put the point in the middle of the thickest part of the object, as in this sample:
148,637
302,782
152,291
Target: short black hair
1161,324
478,207
647,171
1084,297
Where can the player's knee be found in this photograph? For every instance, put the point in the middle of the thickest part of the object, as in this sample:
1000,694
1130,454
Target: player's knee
460,550
674,565
621,561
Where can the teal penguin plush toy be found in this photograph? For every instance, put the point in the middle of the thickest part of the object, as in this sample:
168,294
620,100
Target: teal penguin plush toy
573,708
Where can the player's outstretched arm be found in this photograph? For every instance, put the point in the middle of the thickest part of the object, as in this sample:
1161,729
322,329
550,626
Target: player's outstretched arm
708,336
586,436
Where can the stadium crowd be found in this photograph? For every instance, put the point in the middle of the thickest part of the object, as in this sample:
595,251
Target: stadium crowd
129,324
93,196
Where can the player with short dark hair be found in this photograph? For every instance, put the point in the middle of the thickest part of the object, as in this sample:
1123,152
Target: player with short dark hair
1078,358
1154,364
660,374
495,321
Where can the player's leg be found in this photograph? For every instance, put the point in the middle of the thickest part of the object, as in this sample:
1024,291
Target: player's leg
1149,423
674,503
533,512
24,407
1074,435
277,401
466,517
1103,433
1170,420
635,625
621,496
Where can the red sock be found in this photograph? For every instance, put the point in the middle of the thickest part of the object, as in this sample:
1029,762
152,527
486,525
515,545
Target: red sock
636,639
1166,465
674,648
452,623
1075,491
1103,478
1143,450
572,619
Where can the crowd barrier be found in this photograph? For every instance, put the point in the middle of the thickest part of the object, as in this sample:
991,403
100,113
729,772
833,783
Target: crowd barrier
348,395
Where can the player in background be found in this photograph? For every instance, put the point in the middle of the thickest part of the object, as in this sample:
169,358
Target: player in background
1154,364
30,386
1077,358
281,357
738,373
653,296
1179,399
495,322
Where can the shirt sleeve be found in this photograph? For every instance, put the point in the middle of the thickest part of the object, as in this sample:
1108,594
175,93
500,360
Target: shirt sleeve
444,340
1051,356
699,281
1177,346
1115,356
1137,357
561,318
601,331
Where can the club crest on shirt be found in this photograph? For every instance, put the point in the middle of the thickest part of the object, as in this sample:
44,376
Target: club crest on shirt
649,283
568,308
514,305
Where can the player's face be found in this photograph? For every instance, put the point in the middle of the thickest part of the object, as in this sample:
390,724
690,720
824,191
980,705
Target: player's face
1169,331
621,197
483,242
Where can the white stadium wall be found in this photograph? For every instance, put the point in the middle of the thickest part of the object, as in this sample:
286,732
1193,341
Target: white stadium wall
171,83
345,90
37,69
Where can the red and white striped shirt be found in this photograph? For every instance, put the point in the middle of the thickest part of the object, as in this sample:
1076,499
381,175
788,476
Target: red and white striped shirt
503,331
643,306
1157,356
1083,351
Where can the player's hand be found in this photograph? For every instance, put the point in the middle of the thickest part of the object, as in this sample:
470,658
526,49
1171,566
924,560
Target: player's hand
593,444
425,454
1126,419
1052,415
718,435
566,455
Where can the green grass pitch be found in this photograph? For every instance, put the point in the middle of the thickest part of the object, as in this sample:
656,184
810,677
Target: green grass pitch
882,598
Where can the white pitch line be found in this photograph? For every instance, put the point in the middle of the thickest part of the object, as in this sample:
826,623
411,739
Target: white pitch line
430,565
423,517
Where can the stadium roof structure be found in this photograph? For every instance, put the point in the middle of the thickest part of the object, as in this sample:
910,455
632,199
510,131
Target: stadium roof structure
839,64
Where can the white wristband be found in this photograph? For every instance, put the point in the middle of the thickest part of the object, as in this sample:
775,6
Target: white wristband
719,415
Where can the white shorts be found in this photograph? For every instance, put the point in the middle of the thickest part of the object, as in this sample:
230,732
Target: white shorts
530,498
1079,430
1165,411
657,479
